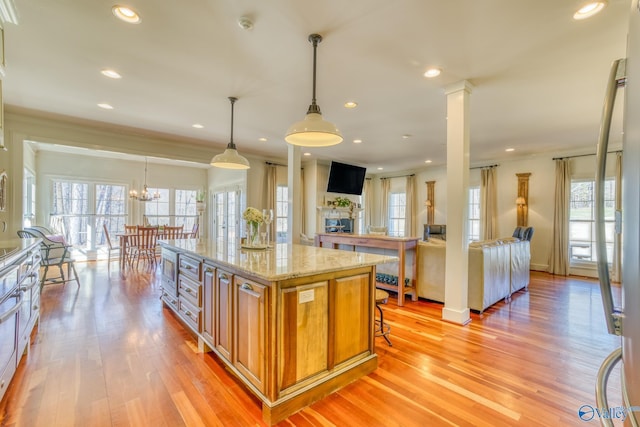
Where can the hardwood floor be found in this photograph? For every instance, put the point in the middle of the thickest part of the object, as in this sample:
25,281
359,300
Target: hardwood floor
109,354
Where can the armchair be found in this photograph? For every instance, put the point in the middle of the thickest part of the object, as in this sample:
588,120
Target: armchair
53,253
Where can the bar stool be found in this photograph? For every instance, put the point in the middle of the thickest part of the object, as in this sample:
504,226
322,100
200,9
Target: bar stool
382,329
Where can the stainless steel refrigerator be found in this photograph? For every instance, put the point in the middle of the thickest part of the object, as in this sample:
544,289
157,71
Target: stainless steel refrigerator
623,320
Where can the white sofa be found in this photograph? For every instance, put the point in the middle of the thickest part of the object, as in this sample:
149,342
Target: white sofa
497,269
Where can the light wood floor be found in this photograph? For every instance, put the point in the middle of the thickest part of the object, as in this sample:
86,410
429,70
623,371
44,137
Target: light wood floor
109,354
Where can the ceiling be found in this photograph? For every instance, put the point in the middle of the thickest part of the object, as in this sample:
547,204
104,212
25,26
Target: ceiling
538,75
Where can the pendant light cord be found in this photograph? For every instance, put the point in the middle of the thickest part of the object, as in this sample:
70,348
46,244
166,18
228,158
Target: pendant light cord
314,108
231,145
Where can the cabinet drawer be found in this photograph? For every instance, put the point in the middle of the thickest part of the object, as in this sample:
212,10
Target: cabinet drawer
170,300
190,291
169,287
190,314
190,267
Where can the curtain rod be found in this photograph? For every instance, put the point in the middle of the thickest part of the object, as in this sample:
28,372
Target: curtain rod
584,155
275,164
399,176
483,167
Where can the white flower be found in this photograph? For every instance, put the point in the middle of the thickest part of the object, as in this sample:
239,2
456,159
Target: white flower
253,216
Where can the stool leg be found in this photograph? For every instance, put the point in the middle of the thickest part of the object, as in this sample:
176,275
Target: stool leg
382,326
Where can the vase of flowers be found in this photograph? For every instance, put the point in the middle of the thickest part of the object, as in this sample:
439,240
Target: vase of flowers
254,220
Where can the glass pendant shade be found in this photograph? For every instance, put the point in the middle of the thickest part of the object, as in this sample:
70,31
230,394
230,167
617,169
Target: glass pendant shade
313,131
230,159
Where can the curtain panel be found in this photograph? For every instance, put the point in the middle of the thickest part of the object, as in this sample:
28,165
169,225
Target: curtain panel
559,255
488,204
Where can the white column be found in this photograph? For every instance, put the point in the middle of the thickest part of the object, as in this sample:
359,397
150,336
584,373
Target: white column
295,194
456,307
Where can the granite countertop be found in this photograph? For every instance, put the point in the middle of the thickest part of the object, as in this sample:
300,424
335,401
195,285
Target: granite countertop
371,236
283,261
12,249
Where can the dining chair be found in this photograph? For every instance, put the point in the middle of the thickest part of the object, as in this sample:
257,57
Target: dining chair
194,231
145,248
110,246
172,233
53,254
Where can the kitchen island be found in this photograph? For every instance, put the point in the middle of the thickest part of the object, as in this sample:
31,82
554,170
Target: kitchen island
294,323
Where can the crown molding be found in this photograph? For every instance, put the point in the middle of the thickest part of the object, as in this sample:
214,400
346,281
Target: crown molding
8,12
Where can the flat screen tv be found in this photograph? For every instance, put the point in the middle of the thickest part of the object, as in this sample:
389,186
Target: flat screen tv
346,179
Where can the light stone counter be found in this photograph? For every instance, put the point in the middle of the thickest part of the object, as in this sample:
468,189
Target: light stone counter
283,261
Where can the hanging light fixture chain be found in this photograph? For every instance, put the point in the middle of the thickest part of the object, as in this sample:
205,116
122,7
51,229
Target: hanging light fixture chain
314,39
231,145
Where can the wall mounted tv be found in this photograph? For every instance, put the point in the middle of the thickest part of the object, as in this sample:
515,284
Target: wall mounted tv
346,179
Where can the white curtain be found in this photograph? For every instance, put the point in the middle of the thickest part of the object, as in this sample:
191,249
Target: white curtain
368,204
385,186
559,256
410,212
488,204
271,181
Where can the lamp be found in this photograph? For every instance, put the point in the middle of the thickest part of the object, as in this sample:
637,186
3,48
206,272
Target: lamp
313,131
230,159
520,201
145,195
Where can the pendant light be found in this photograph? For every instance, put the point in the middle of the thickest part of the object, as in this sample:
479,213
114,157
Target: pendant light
145,195
230,159
313,131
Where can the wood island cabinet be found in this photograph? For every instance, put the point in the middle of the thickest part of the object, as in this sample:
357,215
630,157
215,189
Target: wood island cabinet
294,323
249,330
222,314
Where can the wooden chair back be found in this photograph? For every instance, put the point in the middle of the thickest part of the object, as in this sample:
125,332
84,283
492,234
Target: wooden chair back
194,230
147,238
133,231
172,233
107,237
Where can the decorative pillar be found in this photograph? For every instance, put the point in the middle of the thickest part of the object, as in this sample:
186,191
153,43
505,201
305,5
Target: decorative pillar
430,202
456,307
522,201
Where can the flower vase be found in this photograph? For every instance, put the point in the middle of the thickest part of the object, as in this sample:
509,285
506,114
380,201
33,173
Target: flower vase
253,237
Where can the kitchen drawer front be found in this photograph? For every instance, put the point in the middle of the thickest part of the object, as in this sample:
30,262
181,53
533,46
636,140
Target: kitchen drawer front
191,268
190,314
169,287
170,300
190,291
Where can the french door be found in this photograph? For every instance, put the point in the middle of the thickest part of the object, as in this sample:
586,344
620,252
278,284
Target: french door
226,217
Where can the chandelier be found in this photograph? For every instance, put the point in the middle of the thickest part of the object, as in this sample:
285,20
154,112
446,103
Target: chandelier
145,195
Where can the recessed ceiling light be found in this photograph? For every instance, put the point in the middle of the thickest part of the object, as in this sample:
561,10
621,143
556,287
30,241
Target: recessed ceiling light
350,104
432,72
262,139
589,9
126,14
406,136
357,141
105,106
427,161
306,154
112,74
380,169
510,150
197,126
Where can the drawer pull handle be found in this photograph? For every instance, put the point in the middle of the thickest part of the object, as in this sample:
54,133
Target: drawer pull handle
209,270
188,290
188,267
188,313
223,277
35,306
246,287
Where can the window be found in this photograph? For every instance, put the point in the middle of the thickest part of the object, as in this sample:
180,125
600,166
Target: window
397,214
185,209
282,213
226,215
474,213
29,201
582,229
111,209
70,210
157,211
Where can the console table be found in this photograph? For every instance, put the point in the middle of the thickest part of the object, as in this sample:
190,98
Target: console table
399,244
